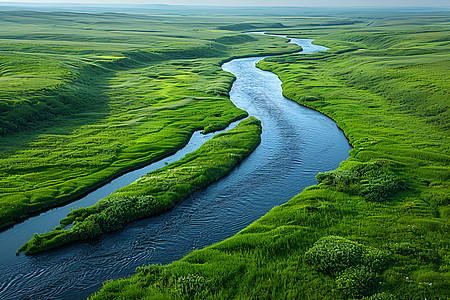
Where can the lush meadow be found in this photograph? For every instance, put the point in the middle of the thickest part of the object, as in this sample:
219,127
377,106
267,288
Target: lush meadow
377,227
86,97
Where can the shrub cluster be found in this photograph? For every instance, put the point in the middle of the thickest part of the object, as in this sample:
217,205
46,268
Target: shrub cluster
375,181
357,281
355,266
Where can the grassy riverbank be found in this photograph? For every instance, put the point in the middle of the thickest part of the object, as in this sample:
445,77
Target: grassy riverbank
86,97
157,191
375,228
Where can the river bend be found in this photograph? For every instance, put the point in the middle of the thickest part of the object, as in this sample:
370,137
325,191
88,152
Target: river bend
297,143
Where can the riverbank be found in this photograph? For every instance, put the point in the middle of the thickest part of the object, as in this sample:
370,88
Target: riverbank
155,192
388,204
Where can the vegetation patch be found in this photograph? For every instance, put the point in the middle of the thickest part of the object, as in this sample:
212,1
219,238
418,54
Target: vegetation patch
334,254
356,268
374,181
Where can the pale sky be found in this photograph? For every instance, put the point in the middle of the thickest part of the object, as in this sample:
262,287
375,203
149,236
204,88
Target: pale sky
405,3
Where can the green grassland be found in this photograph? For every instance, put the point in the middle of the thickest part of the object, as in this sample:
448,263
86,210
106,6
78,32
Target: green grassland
86,97
157,191
377,227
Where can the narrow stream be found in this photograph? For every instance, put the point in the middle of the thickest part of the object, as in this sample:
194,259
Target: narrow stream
297,143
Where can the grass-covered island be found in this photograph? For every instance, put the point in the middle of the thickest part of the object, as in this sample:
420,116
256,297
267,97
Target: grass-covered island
157,191
377,227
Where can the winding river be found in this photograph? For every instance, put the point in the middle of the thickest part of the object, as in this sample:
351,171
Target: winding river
297,143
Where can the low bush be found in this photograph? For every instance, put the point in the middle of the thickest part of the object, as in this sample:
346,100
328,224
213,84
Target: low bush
375,181
356,267
333,254
356,282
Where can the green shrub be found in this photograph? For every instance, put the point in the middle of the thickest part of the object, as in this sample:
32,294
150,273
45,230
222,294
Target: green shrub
333,254
339,178
376,260
380,181
88,229
380,189
356,282
354,265
374,181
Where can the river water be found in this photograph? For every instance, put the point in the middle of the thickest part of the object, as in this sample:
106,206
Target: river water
297,143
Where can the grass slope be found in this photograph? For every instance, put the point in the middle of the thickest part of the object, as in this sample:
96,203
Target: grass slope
375,228
87,97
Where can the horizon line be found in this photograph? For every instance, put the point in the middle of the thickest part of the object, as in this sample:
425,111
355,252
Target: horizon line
90,3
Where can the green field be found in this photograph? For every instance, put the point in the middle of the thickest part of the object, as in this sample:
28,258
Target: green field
377,227
87,97
82,103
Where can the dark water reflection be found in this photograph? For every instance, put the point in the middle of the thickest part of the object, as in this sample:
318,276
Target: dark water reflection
297,143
